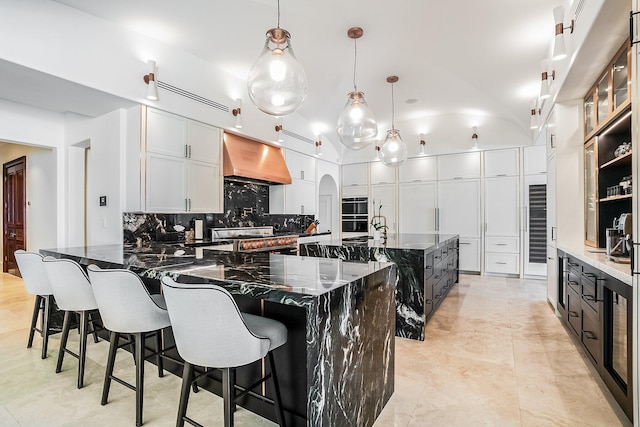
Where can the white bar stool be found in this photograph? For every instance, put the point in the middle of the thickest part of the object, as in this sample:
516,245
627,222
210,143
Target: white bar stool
73,294
210,331
126,307
37,283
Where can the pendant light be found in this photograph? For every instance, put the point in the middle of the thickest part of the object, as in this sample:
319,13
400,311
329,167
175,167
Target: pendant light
357,126
277,83
394,150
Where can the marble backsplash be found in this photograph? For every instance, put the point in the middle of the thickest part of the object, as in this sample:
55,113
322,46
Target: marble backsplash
246,204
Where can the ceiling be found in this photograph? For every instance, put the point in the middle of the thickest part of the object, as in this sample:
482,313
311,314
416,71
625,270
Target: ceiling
460,64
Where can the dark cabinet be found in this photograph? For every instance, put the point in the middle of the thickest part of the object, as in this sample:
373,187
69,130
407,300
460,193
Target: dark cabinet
444,266
599,314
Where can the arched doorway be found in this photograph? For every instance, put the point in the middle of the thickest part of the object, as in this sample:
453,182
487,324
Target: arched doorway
328,205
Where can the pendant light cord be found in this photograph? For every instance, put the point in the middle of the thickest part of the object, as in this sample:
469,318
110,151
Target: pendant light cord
355,62
278,13
393,109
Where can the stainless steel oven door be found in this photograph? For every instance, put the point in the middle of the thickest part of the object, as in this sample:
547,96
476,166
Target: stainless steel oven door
354,206
354,223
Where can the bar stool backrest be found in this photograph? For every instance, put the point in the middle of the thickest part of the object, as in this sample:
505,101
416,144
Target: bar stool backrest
32,271
124,302
208,327
70,285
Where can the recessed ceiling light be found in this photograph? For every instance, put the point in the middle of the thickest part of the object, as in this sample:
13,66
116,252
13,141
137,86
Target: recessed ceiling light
411,101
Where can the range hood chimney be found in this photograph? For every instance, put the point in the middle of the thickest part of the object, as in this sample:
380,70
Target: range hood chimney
248,159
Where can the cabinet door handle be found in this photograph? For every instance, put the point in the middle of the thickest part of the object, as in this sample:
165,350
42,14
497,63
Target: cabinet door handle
502,174
501,263
553,141
573,264
465,243
553,234
457,177
417,180
189,150
589,335
186,205
428,267
186,150
501,244
302,174
573,314
302,209
189,205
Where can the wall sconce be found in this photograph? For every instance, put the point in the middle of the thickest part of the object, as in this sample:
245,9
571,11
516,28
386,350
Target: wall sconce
150,80
474,137
544,84
535,111
279,129
319,146
559,48
423,144
237,113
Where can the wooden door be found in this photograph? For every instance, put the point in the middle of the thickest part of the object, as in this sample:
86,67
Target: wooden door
14,212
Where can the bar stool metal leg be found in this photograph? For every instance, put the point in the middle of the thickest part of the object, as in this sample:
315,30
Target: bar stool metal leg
277,401
139,376
45,326
84,320
158,337
228,395
93,329
114,337
66,324
187,378
34,319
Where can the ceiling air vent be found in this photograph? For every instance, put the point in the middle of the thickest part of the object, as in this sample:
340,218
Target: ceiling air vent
578,11
192,96
298,137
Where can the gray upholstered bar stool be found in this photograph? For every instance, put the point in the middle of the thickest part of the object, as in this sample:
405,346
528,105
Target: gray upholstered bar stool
73,294
37,283
210,331
126,307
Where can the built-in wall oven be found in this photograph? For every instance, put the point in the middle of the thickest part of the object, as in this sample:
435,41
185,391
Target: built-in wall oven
355,214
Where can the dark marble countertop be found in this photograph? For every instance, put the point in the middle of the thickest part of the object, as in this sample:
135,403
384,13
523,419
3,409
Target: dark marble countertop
397,241
304,276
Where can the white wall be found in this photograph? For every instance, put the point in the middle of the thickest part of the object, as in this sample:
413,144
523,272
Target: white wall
570,174
43,35
41,220
105,137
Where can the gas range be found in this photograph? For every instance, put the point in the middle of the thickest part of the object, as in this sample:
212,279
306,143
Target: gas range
256,239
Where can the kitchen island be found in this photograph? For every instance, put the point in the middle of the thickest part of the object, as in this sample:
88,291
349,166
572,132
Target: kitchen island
337,367
427,269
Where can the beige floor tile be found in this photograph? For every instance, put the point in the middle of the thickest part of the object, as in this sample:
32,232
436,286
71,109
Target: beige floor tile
494,355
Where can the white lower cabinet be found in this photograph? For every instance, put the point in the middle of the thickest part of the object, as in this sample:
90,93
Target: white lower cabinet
503,263
469,254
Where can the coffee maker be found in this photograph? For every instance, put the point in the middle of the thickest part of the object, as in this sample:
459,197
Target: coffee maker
619,236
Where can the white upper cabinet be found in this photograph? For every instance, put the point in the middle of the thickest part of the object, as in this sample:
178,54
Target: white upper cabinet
183,172
385,195
301,166
417,212
418,170
203,142
459,205
166,133
459,166
355,174
501,162
535,160
382,174
300,197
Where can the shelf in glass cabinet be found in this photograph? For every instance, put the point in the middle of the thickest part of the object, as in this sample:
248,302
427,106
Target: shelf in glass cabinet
613,198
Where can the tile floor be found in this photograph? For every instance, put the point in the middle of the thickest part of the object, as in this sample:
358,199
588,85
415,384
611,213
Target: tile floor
495,355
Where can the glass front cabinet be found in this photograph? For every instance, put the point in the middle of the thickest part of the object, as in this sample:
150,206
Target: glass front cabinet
610,95
591,193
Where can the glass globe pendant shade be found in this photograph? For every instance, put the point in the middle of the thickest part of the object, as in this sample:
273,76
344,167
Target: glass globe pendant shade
277,83
356,125
394,150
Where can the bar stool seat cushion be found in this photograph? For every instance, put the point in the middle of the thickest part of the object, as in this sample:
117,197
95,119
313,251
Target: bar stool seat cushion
264,327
